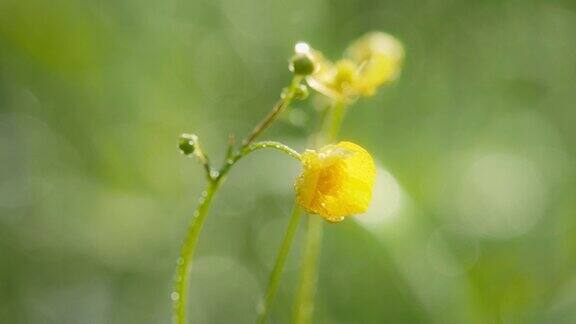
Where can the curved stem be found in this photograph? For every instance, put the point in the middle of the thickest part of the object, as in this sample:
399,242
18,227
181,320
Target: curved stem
275,276
273,145
181,282
254,147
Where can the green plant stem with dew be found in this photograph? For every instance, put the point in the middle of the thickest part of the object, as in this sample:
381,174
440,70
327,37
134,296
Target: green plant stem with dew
215,178
276,274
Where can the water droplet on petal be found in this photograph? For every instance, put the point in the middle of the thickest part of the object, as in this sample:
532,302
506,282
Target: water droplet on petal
336,219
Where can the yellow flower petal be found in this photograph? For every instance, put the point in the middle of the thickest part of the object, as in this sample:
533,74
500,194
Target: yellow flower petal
336,181
380,57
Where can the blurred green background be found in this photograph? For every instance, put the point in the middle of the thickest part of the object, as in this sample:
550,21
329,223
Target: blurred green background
473,218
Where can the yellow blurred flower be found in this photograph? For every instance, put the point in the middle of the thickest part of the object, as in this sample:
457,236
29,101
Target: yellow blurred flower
336,181
372,60
379,57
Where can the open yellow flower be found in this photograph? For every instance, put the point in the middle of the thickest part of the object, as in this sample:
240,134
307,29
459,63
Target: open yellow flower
371,61
336,181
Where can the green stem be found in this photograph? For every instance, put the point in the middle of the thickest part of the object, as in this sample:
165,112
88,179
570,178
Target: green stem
287,97
273,145
338,111
304,307
276,275
180,294
254,147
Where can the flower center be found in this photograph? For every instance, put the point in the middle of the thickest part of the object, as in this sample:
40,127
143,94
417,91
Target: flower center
330,180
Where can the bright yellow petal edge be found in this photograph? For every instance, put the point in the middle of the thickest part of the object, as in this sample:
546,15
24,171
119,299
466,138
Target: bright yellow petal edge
336,181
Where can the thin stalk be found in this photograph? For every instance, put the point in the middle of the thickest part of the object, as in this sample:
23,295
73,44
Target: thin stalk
276,275
284,102
273,145
304,308
338,111
254,147
180,294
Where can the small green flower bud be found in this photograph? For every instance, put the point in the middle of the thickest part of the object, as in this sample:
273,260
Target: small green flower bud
302,64
187,143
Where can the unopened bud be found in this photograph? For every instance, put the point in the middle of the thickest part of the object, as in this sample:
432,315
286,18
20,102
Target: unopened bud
187,143
302,64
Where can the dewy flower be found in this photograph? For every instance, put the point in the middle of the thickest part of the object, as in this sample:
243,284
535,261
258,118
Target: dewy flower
374,59
336,181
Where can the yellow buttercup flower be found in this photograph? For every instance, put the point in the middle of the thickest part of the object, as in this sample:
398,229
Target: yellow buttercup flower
371,61
336,181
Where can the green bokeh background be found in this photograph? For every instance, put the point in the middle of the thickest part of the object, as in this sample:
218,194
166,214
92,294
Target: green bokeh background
473,219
